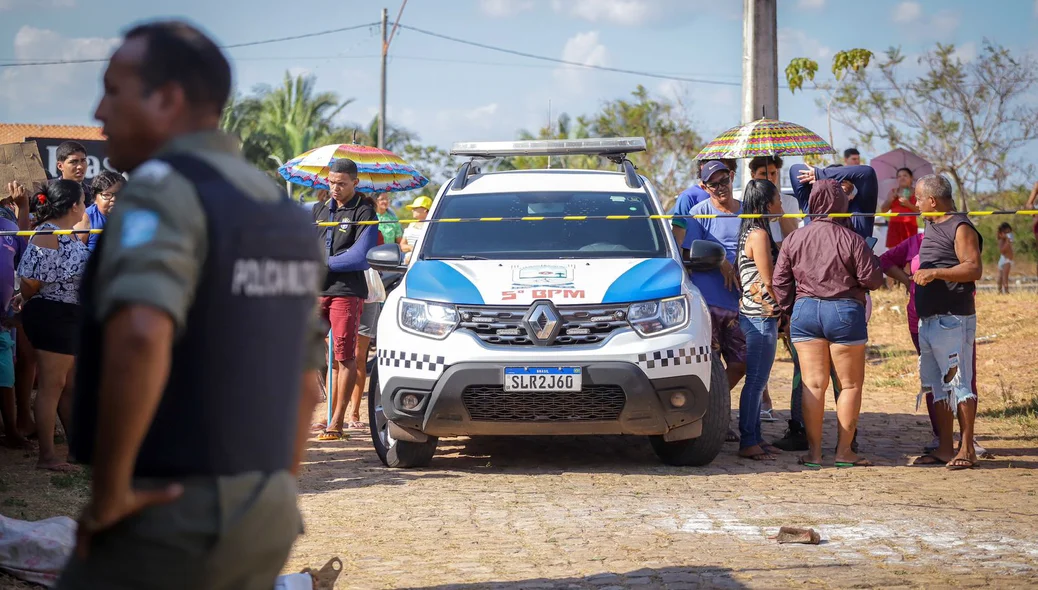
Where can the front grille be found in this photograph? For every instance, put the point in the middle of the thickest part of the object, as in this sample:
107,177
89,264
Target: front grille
490,403
580,325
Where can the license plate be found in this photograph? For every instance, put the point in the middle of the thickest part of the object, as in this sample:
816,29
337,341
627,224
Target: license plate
543,379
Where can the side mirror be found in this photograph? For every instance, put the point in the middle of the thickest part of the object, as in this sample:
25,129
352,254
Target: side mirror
387,257
704,256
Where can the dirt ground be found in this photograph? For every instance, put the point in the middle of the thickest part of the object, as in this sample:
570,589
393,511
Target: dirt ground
603,513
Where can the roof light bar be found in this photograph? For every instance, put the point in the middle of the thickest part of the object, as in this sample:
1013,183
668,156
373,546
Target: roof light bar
550,147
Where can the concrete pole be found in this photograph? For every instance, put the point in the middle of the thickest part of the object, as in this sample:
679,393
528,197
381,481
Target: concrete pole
759,60
382,100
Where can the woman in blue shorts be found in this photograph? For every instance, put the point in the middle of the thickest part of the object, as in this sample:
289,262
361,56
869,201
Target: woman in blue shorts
823,273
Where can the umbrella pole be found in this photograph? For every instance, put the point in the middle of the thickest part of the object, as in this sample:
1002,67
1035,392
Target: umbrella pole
330,381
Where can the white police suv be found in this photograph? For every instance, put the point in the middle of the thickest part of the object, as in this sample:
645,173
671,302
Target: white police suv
547,302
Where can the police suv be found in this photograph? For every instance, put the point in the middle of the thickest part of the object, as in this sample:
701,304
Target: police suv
547,302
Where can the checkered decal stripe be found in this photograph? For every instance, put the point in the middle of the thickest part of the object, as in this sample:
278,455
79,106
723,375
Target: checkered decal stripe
410,360
676,357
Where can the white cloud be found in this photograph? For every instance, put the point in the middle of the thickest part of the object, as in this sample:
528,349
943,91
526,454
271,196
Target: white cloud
636,13
938,26
6,5
908,12
811,4
967,52
483,113
944,24
58,91
621,12
504,8
582,48
794,43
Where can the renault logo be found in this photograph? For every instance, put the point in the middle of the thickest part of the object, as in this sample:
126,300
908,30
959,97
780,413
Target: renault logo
542,322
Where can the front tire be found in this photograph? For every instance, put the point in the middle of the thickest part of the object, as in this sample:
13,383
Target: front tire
393,453
700,451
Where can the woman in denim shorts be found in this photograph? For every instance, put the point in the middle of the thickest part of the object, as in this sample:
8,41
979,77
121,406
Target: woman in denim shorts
823,274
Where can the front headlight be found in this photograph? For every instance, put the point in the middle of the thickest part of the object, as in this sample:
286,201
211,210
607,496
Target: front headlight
425,318
652,318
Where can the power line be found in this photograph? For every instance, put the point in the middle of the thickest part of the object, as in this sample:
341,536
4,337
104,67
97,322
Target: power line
304,36
15,63
567,62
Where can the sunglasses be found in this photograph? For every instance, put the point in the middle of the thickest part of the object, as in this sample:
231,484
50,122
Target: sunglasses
725,181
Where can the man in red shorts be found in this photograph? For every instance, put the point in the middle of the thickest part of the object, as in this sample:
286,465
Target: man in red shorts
345,289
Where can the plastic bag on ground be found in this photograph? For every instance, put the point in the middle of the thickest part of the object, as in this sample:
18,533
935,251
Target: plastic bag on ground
36,551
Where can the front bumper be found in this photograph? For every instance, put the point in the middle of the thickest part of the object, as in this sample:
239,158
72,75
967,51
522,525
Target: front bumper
616,398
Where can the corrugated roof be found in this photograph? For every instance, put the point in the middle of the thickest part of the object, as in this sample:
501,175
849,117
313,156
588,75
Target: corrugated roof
15,132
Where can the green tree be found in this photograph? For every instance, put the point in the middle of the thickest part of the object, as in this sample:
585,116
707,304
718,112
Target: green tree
283,121
295,118
671,141
803,69
969,119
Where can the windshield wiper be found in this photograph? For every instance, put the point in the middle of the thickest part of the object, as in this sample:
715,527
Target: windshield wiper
463,257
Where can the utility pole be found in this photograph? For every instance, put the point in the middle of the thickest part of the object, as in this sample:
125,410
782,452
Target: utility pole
759,60
382,100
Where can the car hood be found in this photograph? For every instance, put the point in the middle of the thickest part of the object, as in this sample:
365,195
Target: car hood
565,282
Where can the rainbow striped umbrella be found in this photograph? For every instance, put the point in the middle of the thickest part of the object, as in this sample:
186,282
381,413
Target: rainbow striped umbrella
765,137
380,170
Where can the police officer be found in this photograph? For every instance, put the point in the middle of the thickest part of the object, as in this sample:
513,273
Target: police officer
196,384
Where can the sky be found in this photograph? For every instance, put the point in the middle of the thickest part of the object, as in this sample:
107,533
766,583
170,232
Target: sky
447,92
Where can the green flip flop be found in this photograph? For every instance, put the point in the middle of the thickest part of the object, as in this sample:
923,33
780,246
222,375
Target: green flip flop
801,461
861,462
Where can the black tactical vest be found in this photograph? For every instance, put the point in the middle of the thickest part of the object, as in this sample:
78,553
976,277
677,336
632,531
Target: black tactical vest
232,398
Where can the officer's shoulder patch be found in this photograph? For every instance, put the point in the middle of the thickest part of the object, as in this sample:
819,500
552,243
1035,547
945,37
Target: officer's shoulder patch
139,228
151,172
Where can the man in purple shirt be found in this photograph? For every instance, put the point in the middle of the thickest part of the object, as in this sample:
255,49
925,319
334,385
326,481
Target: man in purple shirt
11,250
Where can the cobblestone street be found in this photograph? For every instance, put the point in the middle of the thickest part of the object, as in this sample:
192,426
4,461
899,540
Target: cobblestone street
603,513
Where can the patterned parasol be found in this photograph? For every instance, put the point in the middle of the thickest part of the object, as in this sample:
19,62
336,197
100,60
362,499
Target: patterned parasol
765,137
380,170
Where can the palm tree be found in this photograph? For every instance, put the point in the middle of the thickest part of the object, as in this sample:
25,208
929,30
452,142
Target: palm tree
283,122
293,118
239,118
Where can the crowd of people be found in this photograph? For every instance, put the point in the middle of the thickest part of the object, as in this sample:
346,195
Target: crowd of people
809,287
39,288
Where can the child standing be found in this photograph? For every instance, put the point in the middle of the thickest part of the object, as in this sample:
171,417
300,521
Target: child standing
1005,258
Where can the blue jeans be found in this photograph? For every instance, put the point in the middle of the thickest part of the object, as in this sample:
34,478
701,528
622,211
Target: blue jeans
838,321
946,342
761,341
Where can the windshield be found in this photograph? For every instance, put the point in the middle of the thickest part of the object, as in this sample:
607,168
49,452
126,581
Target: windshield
550,238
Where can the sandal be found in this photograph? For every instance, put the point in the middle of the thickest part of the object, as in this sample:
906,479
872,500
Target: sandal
318,427
762,456
732,436
861,462
330,435
959,464
771,449
803,461
928,460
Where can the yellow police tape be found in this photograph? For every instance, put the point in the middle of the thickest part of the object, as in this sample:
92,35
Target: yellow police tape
66,232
